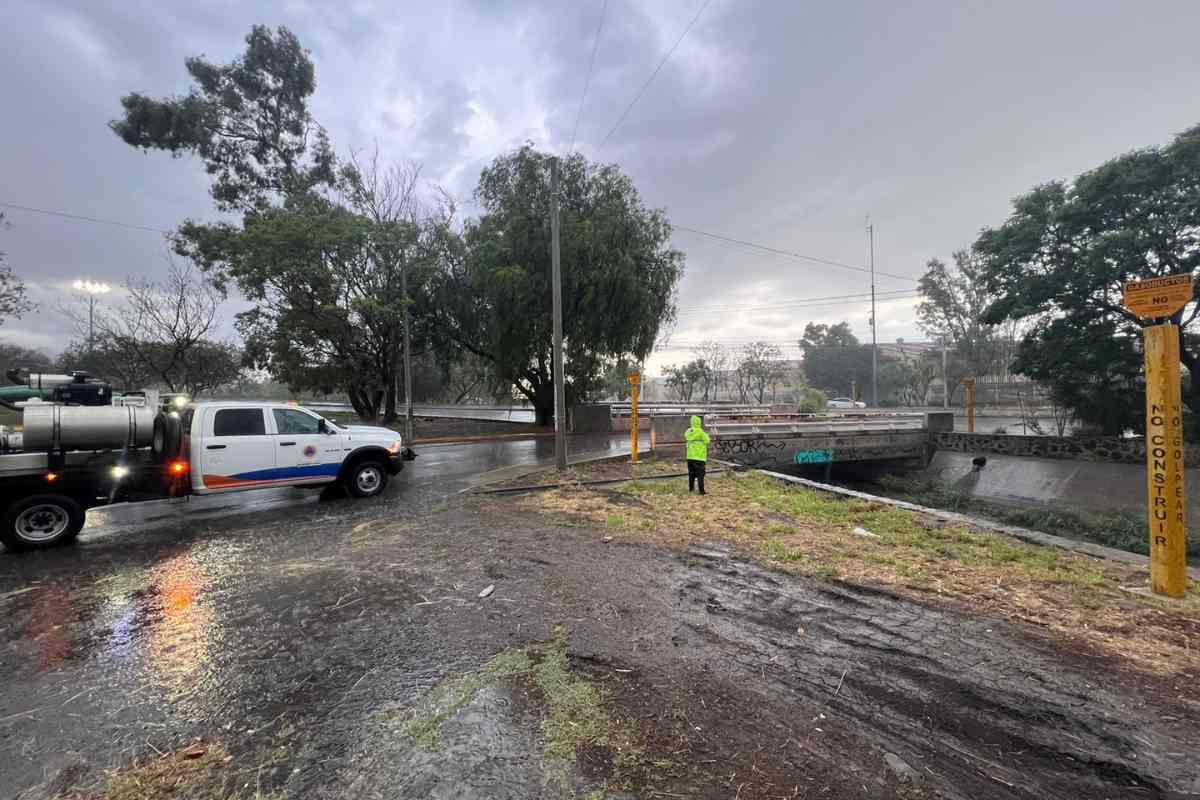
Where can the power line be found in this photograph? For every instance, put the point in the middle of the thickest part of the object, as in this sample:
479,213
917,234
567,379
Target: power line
897,294
82,218
653,75
588,80
789,253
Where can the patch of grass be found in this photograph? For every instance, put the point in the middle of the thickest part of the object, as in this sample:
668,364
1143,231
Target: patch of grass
615,521
576,715
574,710
812,533
450,696
1123,530
201,771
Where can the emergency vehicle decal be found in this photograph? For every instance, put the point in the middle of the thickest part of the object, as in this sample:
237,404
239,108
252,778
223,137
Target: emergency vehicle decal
263,477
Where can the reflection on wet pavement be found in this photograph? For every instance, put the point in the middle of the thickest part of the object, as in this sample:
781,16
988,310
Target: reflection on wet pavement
232,615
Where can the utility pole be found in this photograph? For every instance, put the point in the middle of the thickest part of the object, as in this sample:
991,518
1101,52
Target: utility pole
408,398
945,379
560,395
874,325
91,289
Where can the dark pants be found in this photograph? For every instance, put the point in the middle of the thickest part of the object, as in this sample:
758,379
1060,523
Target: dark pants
695,473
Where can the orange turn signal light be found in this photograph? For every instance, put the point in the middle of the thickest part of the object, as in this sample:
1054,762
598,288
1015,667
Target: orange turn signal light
51,477
178,467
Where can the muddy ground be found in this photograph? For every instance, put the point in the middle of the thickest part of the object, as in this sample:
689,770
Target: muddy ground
306,642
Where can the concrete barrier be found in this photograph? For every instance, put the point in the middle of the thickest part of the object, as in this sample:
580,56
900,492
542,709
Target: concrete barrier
1054,483
669,428
591,418
1111,449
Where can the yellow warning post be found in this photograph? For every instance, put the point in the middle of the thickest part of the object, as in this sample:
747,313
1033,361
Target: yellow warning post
1166,505
635,379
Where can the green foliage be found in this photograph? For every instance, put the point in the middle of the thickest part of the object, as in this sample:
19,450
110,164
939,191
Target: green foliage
248,121
952,309
616,378
1124,530
326,276
834,359
909,377
812,401
1062,257
618,274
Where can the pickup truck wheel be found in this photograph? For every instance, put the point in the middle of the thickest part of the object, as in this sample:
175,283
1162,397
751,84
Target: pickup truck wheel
41,521
366,478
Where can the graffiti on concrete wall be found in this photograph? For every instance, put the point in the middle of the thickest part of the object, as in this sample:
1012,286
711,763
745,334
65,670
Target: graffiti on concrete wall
814,456
748,447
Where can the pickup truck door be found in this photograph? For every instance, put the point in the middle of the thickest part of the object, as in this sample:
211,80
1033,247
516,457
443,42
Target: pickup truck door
236,450
303,454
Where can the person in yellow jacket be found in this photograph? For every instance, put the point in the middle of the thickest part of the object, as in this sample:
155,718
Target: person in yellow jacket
697,454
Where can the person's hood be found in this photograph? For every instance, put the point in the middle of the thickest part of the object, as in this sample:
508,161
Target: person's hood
695,422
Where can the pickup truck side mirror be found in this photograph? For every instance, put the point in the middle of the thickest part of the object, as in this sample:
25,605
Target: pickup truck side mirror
322,426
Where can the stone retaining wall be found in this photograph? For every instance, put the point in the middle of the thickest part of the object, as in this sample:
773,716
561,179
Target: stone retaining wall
1112,449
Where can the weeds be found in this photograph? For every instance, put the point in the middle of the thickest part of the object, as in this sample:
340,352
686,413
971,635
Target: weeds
1124,530
197,772
575,711
449,697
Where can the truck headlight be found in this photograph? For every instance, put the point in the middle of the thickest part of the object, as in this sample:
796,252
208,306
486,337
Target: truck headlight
119,471
395,446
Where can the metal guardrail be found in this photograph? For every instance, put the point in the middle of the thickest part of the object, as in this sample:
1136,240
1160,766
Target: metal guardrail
623,409
772,429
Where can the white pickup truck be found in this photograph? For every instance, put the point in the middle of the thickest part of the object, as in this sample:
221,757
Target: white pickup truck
72,458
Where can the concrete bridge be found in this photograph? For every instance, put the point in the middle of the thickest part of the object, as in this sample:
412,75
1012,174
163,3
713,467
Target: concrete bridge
779,443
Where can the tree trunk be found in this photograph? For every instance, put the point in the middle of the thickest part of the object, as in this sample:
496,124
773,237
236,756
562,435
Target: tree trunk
543,401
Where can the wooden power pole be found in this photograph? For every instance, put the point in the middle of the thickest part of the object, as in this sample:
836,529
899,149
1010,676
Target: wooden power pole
560,395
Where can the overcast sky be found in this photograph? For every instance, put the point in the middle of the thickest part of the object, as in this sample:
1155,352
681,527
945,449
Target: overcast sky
784,123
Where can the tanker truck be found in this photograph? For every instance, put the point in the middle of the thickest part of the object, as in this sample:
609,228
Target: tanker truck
79,447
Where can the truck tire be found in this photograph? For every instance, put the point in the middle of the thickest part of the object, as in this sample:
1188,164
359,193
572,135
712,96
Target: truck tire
41,521
366,478
168,437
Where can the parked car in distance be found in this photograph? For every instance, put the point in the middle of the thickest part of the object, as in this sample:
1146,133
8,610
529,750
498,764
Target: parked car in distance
845,403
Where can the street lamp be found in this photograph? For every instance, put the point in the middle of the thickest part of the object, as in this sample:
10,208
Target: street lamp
91,289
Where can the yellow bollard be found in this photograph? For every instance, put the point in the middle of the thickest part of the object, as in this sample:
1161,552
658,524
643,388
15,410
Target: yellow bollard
1166,506
635,380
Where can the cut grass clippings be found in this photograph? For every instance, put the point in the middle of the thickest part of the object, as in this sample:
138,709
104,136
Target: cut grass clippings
200,771
812,533
574,710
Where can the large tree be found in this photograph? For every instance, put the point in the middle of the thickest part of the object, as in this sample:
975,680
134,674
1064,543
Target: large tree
247,120
618,274
952,308
834,359
321,251
1062,257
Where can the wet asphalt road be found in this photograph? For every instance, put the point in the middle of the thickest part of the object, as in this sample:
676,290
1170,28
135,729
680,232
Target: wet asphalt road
215,617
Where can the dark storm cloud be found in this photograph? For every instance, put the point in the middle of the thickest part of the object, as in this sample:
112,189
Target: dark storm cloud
779,122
